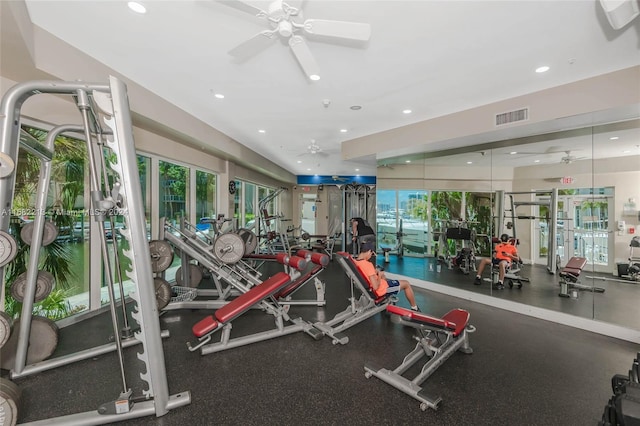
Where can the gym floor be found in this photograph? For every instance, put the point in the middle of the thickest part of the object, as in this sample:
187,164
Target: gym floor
523,371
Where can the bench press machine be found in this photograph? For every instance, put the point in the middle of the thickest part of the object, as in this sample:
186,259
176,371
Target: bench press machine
367,305
569,278
258,295
438,339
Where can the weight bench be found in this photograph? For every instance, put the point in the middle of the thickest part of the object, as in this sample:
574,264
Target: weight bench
293,266
222,318
319,262
569,276
438,339
367,305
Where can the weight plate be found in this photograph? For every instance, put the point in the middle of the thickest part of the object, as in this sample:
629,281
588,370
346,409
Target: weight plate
44,285
8,248
250,240
49,233
5,328
229,248
43,339
9,402
161,255
7,165
163,292
195,276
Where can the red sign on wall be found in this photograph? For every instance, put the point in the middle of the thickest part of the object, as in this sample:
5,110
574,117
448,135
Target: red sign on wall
567,180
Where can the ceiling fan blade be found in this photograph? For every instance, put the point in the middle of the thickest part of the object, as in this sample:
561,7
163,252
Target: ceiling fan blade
244,7
254,45
339,29
302,53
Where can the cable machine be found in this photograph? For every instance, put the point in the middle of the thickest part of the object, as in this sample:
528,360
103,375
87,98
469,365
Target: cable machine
551,203
106,125
358,200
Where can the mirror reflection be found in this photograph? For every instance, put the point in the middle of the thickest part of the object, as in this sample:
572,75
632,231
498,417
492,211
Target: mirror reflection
565,200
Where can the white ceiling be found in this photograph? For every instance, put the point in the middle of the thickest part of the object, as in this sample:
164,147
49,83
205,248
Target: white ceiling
433,57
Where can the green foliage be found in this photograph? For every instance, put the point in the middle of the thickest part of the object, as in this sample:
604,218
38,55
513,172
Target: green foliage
67,176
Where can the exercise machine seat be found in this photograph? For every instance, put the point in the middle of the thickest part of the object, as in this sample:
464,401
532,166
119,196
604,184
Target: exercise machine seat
240,304
455,320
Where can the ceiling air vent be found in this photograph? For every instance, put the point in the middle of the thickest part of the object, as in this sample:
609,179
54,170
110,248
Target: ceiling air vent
512,116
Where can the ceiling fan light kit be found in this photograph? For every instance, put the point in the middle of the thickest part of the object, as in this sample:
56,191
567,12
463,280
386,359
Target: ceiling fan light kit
282,18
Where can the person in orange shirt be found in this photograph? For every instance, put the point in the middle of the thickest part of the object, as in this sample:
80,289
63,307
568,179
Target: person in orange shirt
504,254
377,279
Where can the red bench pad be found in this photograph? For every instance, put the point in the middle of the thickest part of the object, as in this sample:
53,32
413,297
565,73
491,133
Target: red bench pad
455,320
576,263
289,288
246,300
459,318
204,326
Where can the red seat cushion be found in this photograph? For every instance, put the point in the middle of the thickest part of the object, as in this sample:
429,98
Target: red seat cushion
243,302
204,326
576,263
459,318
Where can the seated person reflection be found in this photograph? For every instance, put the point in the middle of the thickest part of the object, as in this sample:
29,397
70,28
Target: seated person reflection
504,254
377,279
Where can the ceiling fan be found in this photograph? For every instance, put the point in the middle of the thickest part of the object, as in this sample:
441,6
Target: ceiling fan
314,149
385,166
287,23
568,159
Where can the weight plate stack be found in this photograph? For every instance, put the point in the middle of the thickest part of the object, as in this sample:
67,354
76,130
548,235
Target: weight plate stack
163,292
195,276
8,248
49,233
161,255
9,402
5,328
43,340
44,285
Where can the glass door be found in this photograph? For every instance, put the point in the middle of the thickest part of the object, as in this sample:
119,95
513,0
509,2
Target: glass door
591,231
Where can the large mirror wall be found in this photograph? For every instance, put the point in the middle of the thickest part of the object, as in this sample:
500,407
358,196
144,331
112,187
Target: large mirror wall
562,196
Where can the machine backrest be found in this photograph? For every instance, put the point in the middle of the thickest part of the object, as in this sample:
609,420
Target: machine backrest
458,234
349,265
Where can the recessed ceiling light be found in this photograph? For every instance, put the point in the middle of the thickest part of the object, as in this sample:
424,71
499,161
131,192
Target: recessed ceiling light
355,107
343,130
513,152
406,111
262,131
626,151
536,161
614,138
357,170
299,161
308,170
542,69
407,161
219,95
137,7
314,77
469,162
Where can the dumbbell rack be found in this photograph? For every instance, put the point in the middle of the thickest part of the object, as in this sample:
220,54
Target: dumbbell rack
107,104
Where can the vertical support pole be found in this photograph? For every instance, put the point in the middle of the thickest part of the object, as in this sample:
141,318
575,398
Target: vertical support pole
500,209
141,274
553,232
